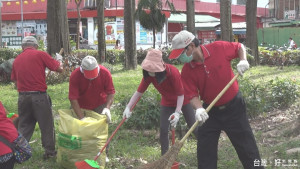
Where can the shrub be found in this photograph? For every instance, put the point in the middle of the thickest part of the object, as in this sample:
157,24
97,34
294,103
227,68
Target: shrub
146,113
262,97
114,56
8,53
254,96
283,92
279,57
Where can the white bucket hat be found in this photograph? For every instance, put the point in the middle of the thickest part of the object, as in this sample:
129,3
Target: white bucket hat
153,61
179,42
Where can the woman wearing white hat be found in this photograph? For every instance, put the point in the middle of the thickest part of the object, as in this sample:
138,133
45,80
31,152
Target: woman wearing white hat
167,80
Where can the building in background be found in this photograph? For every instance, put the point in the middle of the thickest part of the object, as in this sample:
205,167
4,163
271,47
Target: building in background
35,13
281,23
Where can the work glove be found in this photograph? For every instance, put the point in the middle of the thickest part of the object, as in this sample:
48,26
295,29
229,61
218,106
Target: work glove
58,57
106,111
242,66
201,115
127,113
82,119
175,120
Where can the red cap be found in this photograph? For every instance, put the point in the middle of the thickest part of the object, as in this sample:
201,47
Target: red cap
91,74
176,53
179,42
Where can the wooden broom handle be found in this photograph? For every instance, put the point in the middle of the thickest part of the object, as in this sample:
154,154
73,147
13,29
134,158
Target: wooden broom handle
209,107
107,142
61,51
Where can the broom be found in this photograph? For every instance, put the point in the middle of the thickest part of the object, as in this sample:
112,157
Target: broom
166,161
92,164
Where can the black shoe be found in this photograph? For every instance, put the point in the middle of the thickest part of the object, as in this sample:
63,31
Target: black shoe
46,156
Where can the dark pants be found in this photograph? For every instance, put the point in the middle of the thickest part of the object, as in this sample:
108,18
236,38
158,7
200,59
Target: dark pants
99,110
165,113
8,164
233,120
36,107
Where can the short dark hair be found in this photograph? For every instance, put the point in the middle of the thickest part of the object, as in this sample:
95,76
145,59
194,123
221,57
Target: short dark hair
159,76
196,42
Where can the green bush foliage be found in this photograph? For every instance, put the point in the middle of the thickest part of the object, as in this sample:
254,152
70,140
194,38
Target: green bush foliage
283,92
279,58
146,112
7,53
274,94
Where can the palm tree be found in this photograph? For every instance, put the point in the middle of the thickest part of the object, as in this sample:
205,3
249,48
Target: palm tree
150,15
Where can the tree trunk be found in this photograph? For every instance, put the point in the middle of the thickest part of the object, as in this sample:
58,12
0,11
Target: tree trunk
53,27
134,56
190,16
78,23
225,18
154,39
251,32
64,28
1,27
130,55
101,29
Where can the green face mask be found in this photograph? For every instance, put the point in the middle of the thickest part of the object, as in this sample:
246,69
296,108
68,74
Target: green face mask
183,58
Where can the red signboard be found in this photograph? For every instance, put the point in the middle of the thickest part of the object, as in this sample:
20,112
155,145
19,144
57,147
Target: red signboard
207,34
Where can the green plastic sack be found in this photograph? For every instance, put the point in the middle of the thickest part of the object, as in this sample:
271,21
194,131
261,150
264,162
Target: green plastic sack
80,140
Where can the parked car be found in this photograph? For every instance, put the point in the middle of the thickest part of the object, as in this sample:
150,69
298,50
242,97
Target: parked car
84,43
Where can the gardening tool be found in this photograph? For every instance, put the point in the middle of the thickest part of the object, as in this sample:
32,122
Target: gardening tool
166,161
175,164
60,52
14,117
91,164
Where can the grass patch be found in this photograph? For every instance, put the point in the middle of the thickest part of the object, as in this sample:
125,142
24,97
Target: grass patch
129,148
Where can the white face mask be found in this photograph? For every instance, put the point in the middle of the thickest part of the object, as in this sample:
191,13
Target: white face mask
152,74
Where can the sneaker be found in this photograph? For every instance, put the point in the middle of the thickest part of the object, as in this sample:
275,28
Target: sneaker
106,159
47,156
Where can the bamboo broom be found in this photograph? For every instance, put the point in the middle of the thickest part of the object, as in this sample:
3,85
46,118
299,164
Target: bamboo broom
166,161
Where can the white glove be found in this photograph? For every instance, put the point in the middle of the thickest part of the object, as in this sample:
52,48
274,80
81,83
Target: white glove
106,111
127,113
82,119
201,115
58,57
242,66
175,119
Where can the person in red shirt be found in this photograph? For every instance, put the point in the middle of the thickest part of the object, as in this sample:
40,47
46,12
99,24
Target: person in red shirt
166,79
91,87
9,132
34,104
206,71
